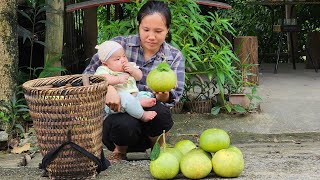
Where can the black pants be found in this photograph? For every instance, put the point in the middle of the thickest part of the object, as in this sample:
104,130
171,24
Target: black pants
124,130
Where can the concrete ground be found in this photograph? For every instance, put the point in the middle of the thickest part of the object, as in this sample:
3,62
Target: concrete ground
280,142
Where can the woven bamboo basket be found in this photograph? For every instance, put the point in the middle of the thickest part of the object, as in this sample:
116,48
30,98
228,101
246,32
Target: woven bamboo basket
199,106
177,108
61,104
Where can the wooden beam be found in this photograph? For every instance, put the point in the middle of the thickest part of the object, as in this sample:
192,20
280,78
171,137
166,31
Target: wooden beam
214,3
94,3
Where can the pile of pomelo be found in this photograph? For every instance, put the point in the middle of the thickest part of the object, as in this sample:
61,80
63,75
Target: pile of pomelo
213,154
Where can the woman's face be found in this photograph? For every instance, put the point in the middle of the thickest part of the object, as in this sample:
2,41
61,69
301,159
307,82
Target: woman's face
117,60
153,32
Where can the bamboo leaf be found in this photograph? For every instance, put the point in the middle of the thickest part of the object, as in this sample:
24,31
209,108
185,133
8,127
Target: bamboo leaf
41,42
25,15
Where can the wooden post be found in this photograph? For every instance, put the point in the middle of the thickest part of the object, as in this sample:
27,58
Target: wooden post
90,32
312,48
54,30
246,48
293,38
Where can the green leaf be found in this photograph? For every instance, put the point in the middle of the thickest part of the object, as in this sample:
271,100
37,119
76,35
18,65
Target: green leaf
20,127
254,90
215,110
155,151
25,15
228,107
41,42
239,108
24,33
257,97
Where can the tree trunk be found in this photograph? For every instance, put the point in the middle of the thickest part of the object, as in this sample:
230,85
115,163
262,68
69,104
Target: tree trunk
54,30
8,48
246,48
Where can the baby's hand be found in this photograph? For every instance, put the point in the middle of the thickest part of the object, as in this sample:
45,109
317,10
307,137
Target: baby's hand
128,68
123,78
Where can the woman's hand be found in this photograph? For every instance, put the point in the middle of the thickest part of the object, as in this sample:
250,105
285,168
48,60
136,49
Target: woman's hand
113,99
162,96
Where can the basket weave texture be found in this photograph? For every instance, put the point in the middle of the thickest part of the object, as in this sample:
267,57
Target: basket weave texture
199,106
57,110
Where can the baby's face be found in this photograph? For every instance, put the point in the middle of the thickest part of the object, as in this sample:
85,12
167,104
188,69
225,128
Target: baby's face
117,60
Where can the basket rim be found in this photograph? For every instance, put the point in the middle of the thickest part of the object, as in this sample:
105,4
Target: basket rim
28,84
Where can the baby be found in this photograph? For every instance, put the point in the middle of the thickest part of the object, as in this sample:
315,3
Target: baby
123,76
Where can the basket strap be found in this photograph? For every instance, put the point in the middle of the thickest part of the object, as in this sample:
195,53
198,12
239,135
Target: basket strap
103,164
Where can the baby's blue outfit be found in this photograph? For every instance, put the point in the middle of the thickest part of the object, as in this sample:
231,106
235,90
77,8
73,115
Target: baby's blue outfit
129,103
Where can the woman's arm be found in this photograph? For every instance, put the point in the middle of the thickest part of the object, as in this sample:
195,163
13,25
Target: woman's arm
178,66
113,99
113,80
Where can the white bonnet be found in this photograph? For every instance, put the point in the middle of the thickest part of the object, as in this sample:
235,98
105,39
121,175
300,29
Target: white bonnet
106,49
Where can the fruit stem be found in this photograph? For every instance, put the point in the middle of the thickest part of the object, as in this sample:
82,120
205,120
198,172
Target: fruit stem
164,140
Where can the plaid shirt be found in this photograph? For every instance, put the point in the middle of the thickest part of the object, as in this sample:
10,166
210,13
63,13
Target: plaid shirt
134,52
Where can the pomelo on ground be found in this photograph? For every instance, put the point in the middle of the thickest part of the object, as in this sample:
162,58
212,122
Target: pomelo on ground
199,150
184,146
234,148
162,78
166,166
214,139
175,152
196,164
228,163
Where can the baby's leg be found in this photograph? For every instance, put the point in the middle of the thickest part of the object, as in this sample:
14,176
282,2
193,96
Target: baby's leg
132,106
148,116
148,102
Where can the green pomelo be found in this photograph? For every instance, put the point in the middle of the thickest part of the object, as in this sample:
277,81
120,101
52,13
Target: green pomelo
175,152
235,149
184,146
195,165
166,166
199,150
227,163
213,140
162,78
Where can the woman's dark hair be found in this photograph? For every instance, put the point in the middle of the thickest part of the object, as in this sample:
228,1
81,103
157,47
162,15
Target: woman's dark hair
152,7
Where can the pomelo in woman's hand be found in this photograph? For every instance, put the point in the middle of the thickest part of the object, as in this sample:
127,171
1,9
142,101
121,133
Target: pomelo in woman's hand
214,139
228,162
166,166
162,78
184,146
196,164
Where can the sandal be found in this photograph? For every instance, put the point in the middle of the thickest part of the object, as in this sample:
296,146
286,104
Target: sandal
116,157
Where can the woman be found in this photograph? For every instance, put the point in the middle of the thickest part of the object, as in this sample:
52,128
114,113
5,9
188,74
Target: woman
121,132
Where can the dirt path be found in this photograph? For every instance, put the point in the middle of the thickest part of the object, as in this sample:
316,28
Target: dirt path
282,160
